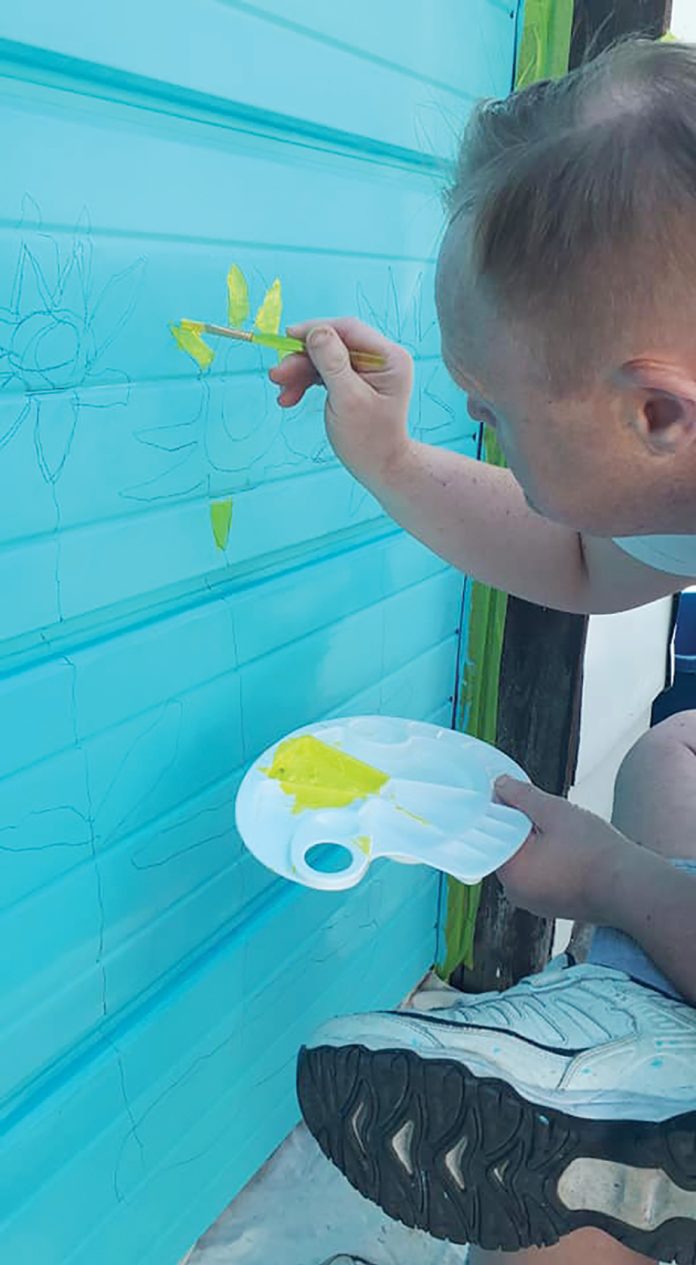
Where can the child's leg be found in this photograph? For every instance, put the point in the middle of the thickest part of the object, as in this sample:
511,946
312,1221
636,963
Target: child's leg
655,804
406,1103
585,1247
655,800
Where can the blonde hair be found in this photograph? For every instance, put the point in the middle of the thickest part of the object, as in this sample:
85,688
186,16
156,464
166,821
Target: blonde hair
572,188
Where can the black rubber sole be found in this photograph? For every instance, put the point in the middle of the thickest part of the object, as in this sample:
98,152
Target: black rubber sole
469,1160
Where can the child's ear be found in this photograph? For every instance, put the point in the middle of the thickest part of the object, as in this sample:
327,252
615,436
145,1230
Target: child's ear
663,405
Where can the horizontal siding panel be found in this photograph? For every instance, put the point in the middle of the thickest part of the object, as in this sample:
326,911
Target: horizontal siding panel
140,466
474,54
45,811
168,886
204,182
205,1064
276,691
115,679
115,563
133,927
230,55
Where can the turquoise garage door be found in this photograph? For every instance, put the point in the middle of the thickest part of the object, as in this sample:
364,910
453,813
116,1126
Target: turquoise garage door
186,573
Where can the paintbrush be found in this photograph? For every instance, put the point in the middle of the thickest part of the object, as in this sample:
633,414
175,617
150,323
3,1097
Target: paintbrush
364,360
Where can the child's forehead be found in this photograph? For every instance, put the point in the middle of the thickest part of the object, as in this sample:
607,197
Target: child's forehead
467,303
462,361
478,345
463,308
485,347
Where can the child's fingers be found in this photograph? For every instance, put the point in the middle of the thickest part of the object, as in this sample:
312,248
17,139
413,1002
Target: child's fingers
294,370
294,375
290,396
392,377
297,373
330,357
355,334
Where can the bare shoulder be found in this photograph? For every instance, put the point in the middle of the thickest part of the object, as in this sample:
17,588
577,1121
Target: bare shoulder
632,573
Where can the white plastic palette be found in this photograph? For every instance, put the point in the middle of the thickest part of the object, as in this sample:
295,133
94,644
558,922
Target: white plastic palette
435,809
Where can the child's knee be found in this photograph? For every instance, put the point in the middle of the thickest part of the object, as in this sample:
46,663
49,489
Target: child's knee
645,763
655,791
679,729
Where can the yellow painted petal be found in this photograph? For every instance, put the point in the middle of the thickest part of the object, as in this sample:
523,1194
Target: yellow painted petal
221,521
237,297
189,340
270,312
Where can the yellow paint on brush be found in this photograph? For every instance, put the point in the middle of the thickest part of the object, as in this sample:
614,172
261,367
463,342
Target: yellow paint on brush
319,776
188,338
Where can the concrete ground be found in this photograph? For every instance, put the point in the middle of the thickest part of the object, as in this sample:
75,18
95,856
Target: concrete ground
300,1210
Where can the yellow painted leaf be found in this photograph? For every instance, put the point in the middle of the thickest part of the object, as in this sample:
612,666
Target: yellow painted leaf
189,340
237,297
221,521
269,314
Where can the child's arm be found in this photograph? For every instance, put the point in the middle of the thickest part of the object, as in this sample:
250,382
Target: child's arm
475,516
574,865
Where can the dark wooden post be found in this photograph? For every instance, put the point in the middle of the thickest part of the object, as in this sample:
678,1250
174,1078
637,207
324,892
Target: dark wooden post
599,23
543,651
538,725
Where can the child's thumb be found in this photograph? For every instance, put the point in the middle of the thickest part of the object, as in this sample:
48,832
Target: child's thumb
522,795
329,355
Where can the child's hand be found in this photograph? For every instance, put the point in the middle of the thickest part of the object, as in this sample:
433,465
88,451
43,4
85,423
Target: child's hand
567,866
366,413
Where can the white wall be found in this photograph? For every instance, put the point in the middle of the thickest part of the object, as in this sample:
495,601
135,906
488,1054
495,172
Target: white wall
624,672
683,23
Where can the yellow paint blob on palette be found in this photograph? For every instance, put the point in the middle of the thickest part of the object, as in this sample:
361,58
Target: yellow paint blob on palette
326,801
318,776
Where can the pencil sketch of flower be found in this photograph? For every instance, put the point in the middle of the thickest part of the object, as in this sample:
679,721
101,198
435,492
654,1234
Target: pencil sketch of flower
412,323
226,442
55,331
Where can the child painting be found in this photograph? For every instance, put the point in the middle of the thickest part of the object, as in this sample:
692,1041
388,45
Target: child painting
556,1121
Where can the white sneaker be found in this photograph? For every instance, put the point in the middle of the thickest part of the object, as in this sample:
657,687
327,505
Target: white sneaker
510,1119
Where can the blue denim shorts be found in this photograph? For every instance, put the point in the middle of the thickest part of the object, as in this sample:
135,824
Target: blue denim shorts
614,949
